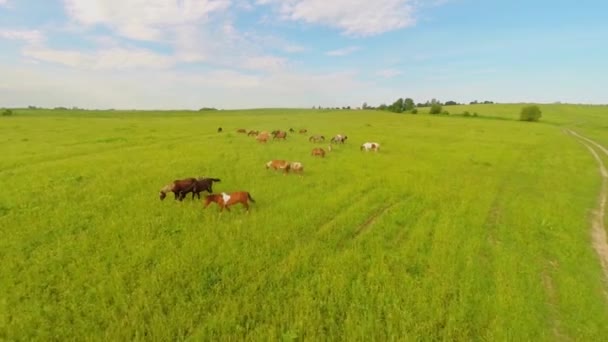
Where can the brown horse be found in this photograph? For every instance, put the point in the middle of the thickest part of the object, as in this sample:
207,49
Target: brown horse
252,132
219,129
279,165
203,184
262,137
225,200
303,130
179,187
241,130
317,151
279,135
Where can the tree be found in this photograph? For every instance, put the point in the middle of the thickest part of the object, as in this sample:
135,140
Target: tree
397,106
451,103
435,108
408,104
530,113
7,112
364,105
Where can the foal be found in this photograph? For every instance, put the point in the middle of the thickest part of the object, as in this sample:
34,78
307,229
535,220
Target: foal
225,200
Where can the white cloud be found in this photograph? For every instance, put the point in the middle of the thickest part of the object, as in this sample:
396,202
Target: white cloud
3,2
388,73
343,52
353,17
42,85
105,59
28,36
142,19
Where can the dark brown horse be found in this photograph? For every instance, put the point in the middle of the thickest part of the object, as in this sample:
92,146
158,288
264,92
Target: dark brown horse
225,200
303,130
203,184
241,130
179,187
219,129
252,132
279,135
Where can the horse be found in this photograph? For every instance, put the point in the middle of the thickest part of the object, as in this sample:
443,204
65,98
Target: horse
316,138
291,130
279,134
278,165
241,130
296,167
179,187
303,130
339,139
203,184
317,151
219,129
373,146
225,200
252,132
262,137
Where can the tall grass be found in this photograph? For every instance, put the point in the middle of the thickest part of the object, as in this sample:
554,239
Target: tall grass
459,229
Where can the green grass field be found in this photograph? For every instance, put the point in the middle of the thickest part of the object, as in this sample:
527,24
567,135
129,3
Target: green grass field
458,229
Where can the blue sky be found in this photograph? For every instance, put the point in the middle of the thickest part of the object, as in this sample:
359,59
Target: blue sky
170,54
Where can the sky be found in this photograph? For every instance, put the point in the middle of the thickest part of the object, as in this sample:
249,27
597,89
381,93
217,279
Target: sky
231,54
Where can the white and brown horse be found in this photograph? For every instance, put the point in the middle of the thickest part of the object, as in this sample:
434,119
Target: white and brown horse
370,146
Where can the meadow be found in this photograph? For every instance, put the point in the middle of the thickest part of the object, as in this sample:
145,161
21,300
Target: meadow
460,228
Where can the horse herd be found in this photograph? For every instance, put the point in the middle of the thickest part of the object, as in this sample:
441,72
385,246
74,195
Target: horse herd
183,187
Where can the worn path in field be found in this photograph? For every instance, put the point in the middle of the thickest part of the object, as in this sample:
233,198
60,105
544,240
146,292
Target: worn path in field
598,230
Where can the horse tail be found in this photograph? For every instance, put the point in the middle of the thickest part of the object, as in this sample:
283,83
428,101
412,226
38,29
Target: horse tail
250,198
215,179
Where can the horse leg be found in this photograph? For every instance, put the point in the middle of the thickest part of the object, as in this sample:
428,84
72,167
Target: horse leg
246,205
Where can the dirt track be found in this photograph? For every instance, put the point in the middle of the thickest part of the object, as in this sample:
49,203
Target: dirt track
598,230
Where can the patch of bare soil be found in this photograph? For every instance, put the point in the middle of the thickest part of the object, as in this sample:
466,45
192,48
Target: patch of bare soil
598,230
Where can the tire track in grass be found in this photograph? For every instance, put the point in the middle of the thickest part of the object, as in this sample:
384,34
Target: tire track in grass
598,230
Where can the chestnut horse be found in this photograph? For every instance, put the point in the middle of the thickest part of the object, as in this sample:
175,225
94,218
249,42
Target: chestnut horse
179,187
279,165
303,130
262,137
241,130
317,151
225,200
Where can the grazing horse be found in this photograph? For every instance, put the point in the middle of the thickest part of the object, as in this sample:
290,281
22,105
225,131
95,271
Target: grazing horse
317,151
373,146
316,138
339,139
219,129
262,137
252,132
279,135
203,184
278,165
291,130
303,130
296,167
241,130
225,200
179,187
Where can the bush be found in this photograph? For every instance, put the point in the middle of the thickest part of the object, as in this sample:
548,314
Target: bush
530,113
475,114
445,112
466,113
414,111
435,108
7,112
